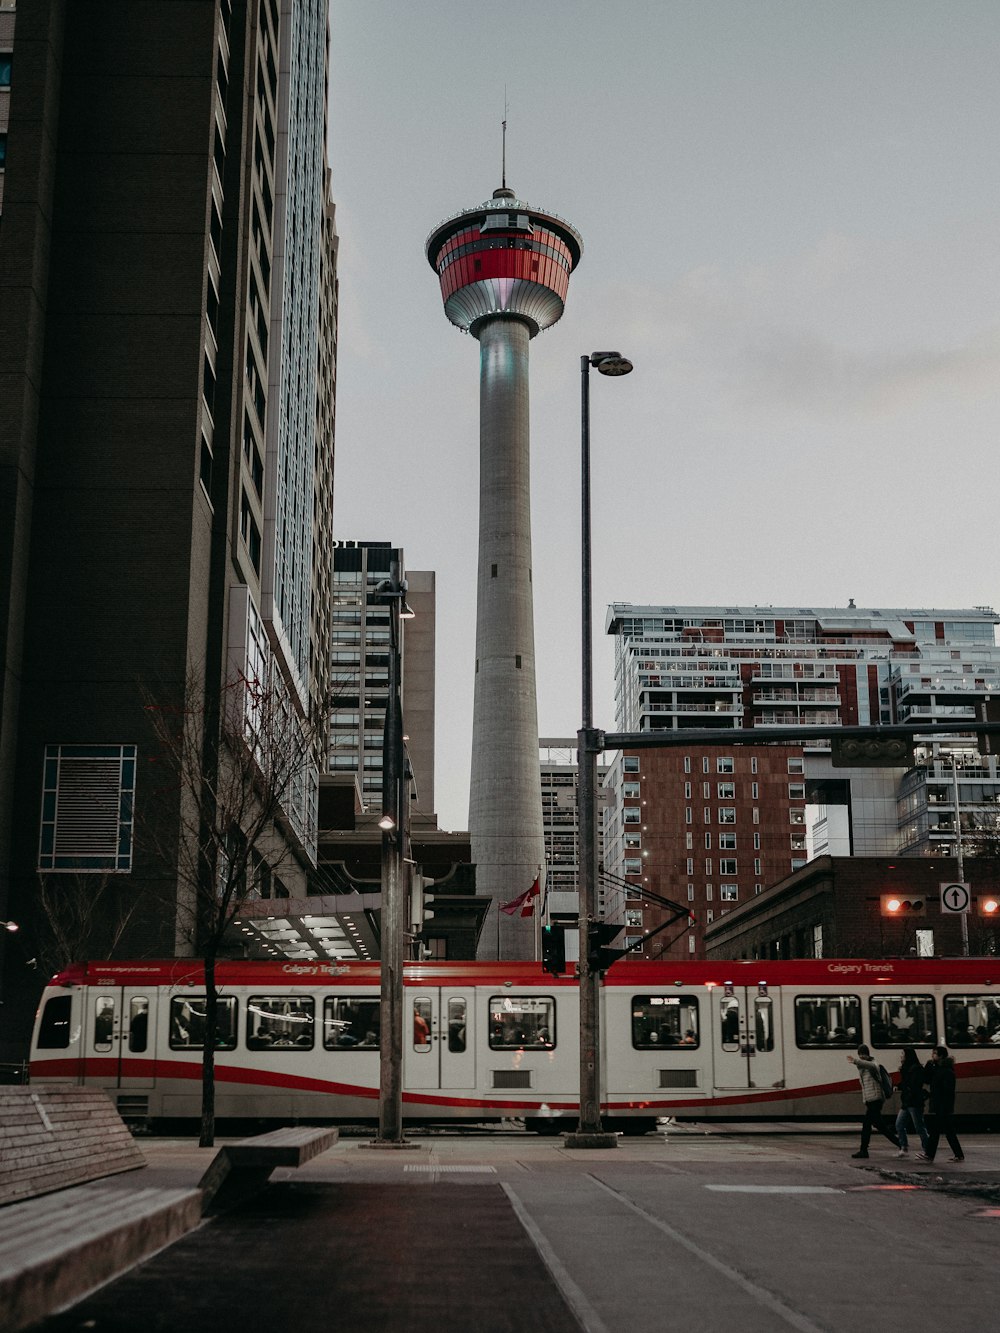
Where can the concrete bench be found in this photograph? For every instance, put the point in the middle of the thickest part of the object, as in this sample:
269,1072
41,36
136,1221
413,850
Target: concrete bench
242,1168
54,1135
55,1250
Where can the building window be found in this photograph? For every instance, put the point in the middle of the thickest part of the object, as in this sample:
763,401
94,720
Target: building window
690,865
724,764
687,763
727,866
632,840
729,893
925,943
688,816
817,941
708,865
630,764
687,791
727,842
631,814
753,765
708,893
633,865
755,791
690,893
756,842
689,841
690,944
706,790
630,791
633,916
709,916
727,791
796,791
704,764
708,842
88,795
727,814
796,765
6,64
707,815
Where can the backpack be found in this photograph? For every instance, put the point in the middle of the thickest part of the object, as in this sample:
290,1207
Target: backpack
884,1078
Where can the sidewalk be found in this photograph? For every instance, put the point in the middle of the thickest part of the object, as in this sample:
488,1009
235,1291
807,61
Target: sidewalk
511,1233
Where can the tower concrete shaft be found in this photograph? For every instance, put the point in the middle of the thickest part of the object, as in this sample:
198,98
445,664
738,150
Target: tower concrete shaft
504,271
505,798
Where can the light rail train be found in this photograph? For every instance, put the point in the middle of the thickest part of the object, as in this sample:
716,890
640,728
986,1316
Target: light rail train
487,1041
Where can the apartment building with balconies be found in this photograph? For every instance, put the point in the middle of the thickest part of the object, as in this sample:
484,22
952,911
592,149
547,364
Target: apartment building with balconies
680,668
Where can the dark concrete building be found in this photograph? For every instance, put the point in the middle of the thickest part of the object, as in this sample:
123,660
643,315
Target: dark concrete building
167,369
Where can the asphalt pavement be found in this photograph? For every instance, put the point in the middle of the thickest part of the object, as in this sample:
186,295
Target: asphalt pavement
694,1228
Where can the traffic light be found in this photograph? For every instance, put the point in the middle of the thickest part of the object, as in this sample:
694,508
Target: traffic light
988,905
864,752
419,900
599,936
554,949
898,904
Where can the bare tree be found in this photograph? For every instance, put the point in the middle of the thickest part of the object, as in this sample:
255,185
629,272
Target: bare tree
243,764
80,916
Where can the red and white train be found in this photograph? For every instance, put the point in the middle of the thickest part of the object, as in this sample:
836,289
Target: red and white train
490,1041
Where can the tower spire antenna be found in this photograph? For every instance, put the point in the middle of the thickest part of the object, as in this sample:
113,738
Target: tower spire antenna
503,149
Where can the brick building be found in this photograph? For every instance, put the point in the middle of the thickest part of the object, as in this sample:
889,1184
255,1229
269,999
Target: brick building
832,908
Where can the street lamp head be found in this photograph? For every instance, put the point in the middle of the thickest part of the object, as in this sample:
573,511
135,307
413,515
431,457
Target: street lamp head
10,925
611,363
387,823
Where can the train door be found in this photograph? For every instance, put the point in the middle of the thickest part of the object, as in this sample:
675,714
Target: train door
747,1038
439,1037
120,1035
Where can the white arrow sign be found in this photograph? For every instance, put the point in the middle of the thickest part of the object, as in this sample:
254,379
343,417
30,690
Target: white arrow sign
955,898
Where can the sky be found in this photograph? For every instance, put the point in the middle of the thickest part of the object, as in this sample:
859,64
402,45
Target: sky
791,221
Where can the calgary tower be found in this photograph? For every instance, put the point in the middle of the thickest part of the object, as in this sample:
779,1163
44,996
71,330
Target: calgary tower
504,271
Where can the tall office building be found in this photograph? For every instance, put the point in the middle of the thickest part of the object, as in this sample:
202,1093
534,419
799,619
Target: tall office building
360,672
711,826
168,342
504,273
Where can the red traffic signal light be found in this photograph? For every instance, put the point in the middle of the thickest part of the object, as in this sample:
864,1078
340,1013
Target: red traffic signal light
897,904
989,906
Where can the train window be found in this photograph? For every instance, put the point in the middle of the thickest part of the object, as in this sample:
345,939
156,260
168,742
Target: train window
187,1023
972,1020
349,1022
456,1025
281,1021
421,1025
104,1022
53,1031
138,1023
827,1020
664,1020
522,1022
763,1023
729,1023
902,1020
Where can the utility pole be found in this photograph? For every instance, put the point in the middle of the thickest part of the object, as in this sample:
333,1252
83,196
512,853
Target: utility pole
395,825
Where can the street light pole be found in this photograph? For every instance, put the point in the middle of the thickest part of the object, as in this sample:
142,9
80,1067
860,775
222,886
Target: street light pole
394,824
959,858
589,1133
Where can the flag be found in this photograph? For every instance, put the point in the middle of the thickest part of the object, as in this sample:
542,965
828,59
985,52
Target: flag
526,901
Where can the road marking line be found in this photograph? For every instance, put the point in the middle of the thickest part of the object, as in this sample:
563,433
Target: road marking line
759,1294
775,1189
588,1317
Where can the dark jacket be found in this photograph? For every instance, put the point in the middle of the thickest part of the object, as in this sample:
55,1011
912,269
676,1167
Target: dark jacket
911,1086
940,1076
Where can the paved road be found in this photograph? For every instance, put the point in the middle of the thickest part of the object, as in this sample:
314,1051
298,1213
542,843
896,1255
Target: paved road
691,1230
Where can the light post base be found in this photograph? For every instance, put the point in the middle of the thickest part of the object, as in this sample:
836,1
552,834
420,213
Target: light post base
583,1139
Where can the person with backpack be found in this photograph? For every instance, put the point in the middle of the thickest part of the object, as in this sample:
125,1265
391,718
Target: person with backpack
940,1074
912,1098
874,1096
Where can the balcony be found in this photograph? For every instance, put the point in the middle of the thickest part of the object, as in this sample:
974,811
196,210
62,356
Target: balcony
815,696
938,712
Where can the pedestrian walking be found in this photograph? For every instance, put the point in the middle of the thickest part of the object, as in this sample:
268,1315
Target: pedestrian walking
940,1076
871,1095
911,1098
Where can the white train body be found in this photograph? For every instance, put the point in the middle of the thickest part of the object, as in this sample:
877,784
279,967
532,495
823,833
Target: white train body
490,1041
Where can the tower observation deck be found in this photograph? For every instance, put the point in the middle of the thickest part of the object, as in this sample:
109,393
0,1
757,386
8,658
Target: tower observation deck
504,271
